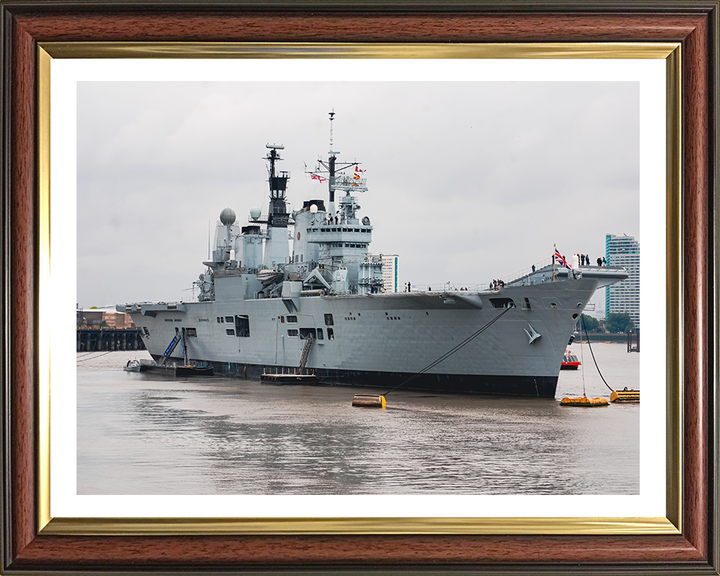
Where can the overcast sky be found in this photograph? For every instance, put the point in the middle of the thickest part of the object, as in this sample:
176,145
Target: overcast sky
468,181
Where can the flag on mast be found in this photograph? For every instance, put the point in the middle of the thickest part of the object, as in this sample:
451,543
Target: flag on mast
560,260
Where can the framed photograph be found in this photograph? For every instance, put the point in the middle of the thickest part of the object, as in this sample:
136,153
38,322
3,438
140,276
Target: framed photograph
72,70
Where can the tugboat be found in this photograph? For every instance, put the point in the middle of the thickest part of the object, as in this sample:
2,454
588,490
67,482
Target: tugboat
133,366
265,307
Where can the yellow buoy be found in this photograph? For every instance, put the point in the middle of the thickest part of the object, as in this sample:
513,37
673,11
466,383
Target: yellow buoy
622,396
369,401
584,402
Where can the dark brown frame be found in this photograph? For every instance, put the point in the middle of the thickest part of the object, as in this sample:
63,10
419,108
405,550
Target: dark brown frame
692,23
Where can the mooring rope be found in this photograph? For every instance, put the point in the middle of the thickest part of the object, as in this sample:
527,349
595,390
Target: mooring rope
453,350
587,337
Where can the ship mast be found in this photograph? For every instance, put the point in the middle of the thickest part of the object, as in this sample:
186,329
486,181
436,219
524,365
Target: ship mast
337,178
331,168
277,214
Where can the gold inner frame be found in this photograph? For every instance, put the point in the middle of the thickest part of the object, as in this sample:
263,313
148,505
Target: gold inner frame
670,52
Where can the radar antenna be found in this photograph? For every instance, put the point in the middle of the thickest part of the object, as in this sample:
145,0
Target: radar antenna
337,177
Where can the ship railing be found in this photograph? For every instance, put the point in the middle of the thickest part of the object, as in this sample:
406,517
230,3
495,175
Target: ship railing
523,275
447,287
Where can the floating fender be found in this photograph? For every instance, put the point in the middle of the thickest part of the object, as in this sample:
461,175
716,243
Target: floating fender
622,396
584,402
369,401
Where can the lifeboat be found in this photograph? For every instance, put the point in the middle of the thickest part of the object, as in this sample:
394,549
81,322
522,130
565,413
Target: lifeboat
570,361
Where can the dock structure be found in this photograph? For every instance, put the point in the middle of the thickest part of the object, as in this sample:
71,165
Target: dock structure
633,342
96,340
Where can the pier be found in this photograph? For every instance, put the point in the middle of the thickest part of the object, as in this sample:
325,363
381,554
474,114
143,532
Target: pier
96,340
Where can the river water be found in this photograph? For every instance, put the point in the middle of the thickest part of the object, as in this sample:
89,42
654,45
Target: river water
147,433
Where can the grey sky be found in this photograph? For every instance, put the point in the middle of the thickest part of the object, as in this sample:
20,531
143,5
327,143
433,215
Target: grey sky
468,181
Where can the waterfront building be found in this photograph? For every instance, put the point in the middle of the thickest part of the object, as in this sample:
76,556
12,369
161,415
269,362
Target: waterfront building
624,297
104,319
390,271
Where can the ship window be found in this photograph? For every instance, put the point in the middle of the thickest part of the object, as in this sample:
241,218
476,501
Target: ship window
292,332
178,319
328,319
230,332
319,334
242,326
219,319
190,332
301,257
292,319
228,319
331,334
168,319
307,333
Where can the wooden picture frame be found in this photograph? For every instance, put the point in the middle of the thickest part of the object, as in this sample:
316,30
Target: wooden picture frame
29,547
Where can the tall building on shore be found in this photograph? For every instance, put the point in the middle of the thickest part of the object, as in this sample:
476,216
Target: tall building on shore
624,297
390,267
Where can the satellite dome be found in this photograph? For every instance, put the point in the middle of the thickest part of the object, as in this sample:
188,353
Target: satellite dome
255,212
227,216
313,208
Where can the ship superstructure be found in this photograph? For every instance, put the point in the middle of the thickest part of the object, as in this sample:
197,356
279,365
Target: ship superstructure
320,305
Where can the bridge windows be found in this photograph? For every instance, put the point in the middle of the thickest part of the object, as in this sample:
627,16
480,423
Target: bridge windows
292,333
292,319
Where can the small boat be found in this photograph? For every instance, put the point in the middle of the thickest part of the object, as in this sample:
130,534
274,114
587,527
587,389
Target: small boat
268,277
192,370
289,378
134,366
570,361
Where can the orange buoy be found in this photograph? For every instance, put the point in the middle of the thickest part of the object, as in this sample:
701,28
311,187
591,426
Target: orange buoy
584,402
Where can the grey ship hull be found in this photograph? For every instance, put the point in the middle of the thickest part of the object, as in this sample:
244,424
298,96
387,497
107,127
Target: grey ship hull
383,339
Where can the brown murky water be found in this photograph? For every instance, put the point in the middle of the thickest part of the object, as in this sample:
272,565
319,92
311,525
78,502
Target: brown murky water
143,433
